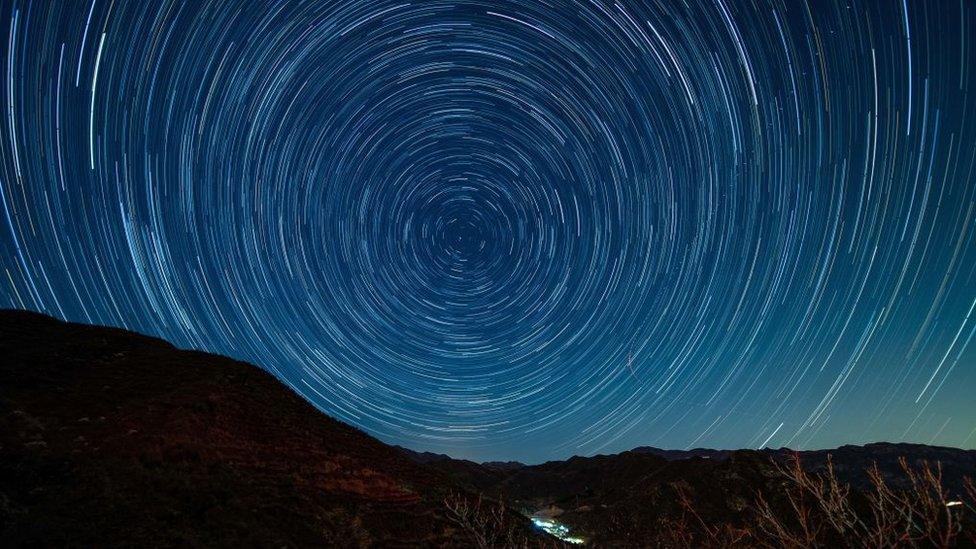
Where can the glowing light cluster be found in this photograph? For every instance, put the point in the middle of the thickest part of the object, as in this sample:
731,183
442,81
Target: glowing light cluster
554,528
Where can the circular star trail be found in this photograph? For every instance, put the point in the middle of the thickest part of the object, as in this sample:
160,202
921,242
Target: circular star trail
517,229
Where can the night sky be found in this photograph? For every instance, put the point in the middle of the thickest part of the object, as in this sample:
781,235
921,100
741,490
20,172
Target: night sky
517,230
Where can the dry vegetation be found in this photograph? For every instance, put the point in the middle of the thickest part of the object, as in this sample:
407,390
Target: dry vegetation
489,523
817,510
800,509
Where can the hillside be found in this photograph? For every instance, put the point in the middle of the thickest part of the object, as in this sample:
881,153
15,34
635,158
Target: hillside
112,438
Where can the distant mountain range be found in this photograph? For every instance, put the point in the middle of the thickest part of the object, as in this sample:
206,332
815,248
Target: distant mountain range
112,438
850,461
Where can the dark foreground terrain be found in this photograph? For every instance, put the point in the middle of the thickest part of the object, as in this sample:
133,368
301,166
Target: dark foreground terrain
744,498
113,438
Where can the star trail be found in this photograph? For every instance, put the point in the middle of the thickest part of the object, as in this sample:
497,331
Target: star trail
517,230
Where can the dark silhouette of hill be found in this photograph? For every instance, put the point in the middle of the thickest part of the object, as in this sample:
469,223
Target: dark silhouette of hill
113,438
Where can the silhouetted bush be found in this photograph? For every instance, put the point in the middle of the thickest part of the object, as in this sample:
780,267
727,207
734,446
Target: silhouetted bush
818,510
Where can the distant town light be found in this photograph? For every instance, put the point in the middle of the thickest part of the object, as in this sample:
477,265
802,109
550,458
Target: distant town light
559,530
